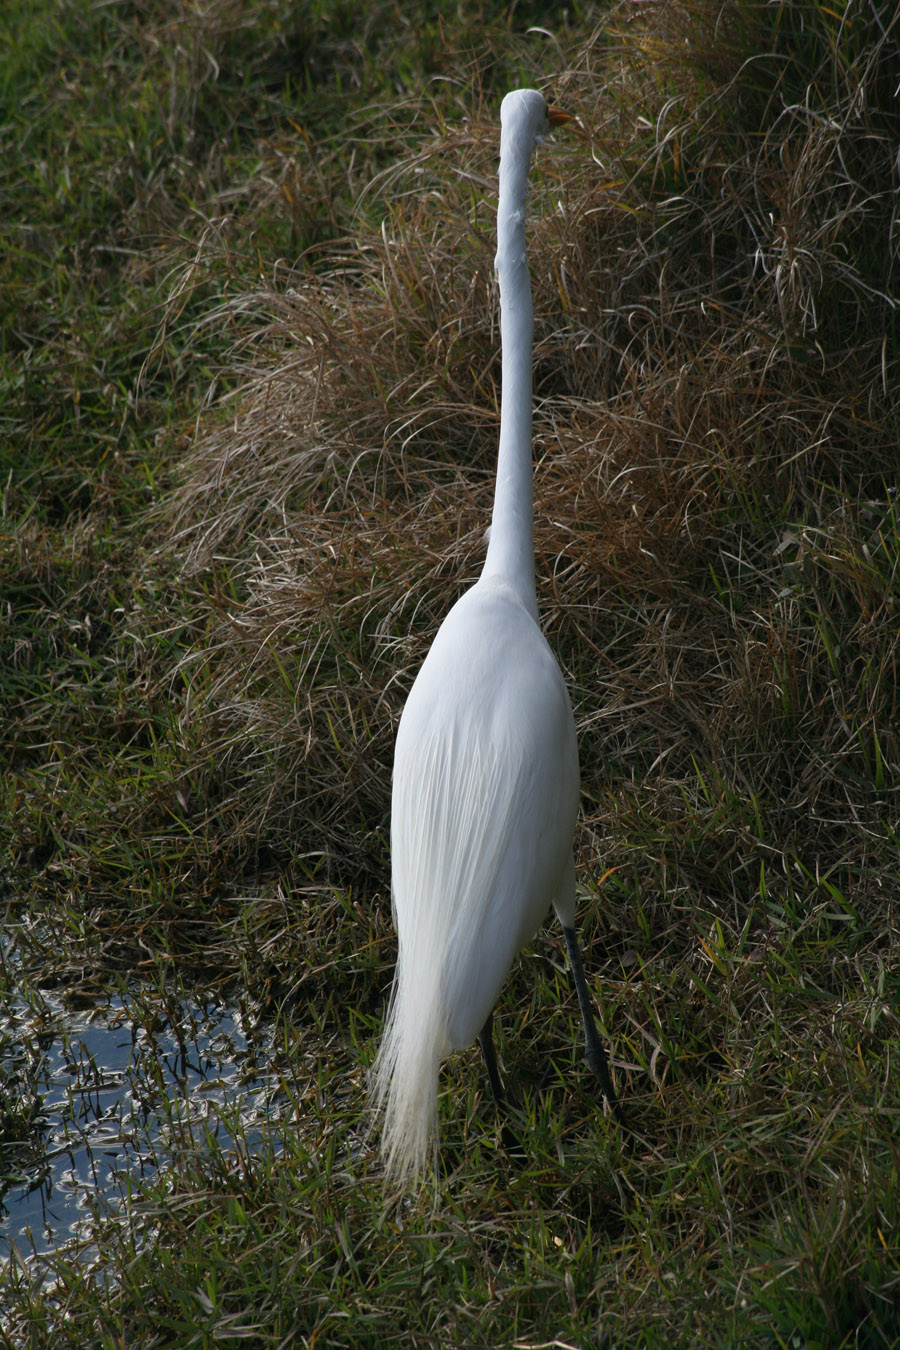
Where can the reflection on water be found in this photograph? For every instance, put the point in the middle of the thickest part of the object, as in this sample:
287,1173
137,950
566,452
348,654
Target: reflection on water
89,1102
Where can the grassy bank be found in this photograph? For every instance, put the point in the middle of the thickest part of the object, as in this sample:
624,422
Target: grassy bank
250,394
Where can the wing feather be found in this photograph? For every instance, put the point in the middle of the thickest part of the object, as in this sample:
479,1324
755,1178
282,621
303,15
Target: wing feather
485,794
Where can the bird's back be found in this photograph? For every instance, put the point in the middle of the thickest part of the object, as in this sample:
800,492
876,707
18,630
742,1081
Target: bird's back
484,801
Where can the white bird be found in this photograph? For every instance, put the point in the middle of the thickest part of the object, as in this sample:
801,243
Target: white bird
485,785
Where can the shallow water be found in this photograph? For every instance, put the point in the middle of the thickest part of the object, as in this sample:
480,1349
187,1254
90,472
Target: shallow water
93,1100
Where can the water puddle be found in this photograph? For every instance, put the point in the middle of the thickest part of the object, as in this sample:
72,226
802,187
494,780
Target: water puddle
94,1099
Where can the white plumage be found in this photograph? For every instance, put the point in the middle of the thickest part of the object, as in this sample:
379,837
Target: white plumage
485,786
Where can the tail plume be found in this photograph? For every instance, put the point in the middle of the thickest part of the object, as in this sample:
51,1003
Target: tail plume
405,1074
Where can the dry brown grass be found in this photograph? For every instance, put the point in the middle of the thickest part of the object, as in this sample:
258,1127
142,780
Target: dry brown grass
716,376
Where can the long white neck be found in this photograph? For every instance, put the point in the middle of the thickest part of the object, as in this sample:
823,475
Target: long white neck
511,549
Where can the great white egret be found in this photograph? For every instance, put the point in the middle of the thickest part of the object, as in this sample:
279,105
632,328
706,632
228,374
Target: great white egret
485,786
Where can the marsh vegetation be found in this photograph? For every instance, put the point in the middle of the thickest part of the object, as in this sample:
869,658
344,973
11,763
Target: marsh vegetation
249,400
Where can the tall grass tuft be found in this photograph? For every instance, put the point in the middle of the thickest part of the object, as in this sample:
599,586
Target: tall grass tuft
716,373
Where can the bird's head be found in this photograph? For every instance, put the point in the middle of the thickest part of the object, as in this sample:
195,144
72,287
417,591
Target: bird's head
525,114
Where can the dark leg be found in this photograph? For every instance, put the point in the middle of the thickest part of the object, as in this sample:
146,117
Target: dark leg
514,1149
593,1052
486,1041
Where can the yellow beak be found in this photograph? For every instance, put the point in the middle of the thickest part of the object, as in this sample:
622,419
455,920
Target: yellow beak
557,117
